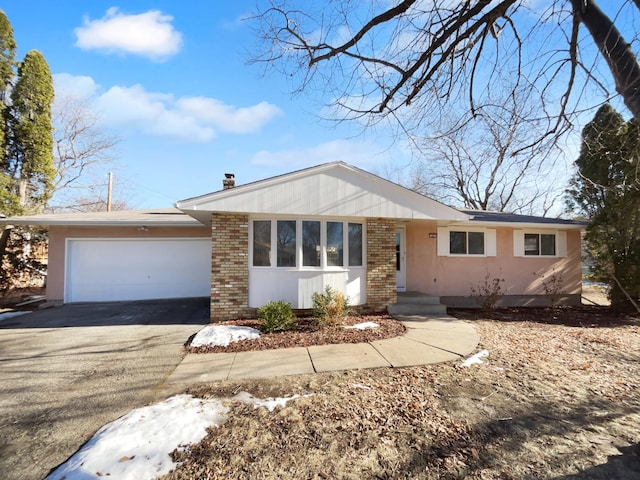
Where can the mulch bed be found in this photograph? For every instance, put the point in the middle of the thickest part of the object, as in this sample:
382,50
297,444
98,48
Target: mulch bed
309,333
583,316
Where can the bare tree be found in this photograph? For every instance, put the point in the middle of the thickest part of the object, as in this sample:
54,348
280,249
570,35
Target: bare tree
487,163
411,61
83,154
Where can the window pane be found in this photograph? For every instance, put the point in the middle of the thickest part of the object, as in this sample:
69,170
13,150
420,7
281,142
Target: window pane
262,243
458,242
547,244
355,244
286,243
311,244
476,243
531,244
335,244
398,238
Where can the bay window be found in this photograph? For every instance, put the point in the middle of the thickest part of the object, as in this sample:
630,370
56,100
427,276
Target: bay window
306,243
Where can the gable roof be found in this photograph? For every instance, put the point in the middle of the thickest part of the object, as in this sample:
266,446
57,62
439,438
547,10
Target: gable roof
160,217
331,189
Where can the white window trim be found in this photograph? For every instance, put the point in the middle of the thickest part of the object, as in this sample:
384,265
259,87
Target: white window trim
489,241
518,242
323,243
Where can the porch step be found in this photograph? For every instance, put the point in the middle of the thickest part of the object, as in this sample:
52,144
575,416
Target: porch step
416,303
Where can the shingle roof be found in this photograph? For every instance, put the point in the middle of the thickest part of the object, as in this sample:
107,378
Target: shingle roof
160,217
503,217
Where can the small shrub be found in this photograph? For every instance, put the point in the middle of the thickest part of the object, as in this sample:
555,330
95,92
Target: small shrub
277,317
553,288
330,307
488,292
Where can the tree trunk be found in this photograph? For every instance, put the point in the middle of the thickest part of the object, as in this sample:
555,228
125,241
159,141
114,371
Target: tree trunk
4,240
614,48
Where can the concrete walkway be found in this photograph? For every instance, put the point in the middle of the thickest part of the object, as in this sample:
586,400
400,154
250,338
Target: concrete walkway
429,339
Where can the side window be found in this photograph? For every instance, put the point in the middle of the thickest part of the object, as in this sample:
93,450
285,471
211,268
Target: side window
536,244
530,244
458,243
466,243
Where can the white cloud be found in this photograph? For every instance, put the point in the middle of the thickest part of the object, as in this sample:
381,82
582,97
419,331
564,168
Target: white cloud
228,117
355,153
148,34
77,85
188,119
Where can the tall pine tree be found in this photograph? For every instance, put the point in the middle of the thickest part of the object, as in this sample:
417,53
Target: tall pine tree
29,160
26,152
607,190
7,75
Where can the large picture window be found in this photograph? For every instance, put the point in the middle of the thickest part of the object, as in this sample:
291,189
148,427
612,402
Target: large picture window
306,243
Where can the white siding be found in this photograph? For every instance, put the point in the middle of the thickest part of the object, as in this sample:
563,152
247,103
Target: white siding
298,286
329,190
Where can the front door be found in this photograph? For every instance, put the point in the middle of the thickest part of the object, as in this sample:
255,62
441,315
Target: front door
400,260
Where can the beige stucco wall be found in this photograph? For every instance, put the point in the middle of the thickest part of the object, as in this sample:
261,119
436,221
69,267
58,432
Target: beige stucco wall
455,276
58,236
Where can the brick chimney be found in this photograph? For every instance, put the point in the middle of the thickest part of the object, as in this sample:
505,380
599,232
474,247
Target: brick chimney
228,181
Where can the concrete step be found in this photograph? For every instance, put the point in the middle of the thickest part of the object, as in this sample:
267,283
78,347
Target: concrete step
417,309
417,298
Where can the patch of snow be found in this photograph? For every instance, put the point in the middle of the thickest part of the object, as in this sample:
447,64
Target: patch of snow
475,358
223,335
359,385
269,403
362,326
138,444
8,315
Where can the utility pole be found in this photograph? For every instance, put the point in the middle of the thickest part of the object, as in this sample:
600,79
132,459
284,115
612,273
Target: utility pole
109,188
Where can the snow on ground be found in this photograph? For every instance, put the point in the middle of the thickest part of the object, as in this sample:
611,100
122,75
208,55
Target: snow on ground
8,315
362,326
223,335
137,446
475,358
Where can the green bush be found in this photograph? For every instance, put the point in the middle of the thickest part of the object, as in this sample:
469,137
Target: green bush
330,307
277,317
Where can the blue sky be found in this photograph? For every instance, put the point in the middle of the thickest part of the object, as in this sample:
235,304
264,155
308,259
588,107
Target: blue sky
171,80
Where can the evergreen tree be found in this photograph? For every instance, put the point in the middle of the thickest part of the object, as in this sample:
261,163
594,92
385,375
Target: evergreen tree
29,160
7,64
607,190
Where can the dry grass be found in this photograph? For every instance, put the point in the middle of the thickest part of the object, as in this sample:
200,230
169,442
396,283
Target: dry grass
553,400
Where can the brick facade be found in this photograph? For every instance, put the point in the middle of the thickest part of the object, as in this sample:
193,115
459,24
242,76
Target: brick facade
381,263
230,267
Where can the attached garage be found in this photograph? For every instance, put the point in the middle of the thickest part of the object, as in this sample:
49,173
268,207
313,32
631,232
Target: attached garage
113,269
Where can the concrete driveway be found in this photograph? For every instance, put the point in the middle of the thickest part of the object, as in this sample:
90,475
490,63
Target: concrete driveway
67,371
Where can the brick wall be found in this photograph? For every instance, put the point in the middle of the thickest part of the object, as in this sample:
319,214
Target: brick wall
381,263
230,267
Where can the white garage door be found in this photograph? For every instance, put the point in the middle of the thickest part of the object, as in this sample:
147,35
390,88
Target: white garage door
131,269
